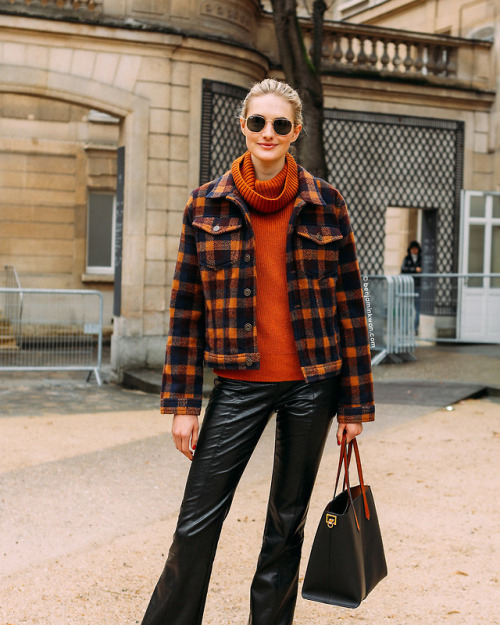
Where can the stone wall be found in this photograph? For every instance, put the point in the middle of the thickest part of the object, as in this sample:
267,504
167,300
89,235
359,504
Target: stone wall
151,82
458,18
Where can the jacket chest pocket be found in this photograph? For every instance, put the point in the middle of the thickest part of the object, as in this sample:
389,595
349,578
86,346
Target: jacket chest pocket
318,249
218,240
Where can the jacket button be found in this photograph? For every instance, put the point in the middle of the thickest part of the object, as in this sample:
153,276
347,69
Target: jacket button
216,229
319,237
247,258
247,292
248,327
249,362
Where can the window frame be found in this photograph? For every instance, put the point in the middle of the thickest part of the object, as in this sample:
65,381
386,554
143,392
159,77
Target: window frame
100,269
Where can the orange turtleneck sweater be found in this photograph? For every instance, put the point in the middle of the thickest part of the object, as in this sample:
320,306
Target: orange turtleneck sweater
271,204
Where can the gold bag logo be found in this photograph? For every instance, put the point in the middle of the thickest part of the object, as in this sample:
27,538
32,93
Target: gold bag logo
331,520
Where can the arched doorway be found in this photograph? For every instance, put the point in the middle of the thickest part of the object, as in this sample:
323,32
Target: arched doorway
133,112
57,209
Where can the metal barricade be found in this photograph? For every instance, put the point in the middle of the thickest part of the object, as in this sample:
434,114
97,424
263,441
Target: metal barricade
405,302
390,312
51,329
408,310
14,301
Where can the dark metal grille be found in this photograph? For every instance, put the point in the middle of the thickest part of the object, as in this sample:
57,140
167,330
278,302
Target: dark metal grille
221,138
375,161
394,163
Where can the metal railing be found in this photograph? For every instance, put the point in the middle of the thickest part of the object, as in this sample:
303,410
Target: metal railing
54,329
405,311
390,309
14,301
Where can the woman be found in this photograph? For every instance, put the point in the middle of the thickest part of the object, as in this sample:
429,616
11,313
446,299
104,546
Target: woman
267,292
412,263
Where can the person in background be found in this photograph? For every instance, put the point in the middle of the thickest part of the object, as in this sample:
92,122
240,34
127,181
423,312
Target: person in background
412,263
267,292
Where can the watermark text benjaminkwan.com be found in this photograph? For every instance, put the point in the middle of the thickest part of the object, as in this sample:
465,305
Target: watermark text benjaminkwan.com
368,308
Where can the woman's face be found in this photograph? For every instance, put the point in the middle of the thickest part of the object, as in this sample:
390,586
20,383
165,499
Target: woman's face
268,146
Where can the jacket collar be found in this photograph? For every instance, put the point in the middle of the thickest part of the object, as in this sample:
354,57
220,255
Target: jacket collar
308,188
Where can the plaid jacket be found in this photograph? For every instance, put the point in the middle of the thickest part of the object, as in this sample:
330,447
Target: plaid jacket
213,305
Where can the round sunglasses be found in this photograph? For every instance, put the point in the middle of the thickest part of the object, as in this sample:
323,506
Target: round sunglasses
257,123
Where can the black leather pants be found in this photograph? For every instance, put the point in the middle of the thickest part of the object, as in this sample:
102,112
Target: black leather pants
235,418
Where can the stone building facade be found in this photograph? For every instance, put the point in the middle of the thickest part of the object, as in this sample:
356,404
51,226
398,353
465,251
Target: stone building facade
80,80
479,109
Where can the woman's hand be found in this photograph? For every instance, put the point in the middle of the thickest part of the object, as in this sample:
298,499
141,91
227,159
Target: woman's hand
185,430
352,430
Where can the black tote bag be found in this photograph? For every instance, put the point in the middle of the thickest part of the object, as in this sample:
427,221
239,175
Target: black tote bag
347,557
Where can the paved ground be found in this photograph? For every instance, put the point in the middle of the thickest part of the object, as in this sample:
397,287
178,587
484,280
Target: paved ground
84,518
439,376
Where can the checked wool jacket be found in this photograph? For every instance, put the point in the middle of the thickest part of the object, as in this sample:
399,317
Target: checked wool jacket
213,305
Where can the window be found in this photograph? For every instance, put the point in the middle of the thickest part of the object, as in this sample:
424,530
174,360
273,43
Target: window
101,233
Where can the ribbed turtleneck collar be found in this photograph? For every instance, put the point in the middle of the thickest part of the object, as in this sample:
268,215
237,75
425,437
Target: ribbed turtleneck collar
266,196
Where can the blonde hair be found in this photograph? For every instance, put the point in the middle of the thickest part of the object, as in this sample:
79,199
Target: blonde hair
271,85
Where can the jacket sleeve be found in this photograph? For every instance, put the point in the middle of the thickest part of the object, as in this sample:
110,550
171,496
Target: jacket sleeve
183,371
356,401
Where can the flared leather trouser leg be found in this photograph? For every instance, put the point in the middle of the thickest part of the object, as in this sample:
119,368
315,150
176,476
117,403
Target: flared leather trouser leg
235,418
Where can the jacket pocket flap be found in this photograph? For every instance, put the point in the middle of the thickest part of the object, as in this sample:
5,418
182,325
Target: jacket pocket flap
217,225
322,235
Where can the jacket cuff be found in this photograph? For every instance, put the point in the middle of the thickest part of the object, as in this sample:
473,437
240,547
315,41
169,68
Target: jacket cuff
180,406
356,414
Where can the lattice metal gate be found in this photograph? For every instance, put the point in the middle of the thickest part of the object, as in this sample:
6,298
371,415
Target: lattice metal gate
374,160
379,160
221,139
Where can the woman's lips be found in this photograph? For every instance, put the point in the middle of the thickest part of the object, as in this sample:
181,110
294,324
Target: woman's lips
267,145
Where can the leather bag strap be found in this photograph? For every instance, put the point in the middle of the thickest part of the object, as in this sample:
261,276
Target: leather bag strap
354,445
344,462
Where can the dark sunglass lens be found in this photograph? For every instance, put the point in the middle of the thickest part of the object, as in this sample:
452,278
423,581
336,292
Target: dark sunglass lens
256,123
282,126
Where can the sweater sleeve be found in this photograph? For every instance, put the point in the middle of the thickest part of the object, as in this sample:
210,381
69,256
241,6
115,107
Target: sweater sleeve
183,371
356,402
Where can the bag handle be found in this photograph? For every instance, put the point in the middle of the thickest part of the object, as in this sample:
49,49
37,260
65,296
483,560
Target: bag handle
354,445
345,461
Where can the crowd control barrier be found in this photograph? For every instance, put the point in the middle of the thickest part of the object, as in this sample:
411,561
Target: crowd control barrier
408,310
51,329
390,310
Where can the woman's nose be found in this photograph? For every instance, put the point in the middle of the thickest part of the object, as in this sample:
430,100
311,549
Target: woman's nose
268,130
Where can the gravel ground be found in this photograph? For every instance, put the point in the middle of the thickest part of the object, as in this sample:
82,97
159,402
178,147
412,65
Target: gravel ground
89,503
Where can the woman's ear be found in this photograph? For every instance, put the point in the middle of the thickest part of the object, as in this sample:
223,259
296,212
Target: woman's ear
242,124
296,132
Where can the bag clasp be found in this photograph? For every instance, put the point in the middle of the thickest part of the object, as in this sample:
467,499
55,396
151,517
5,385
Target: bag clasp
331,520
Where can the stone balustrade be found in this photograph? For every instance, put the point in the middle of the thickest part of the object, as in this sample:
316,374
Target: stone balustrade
356,49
